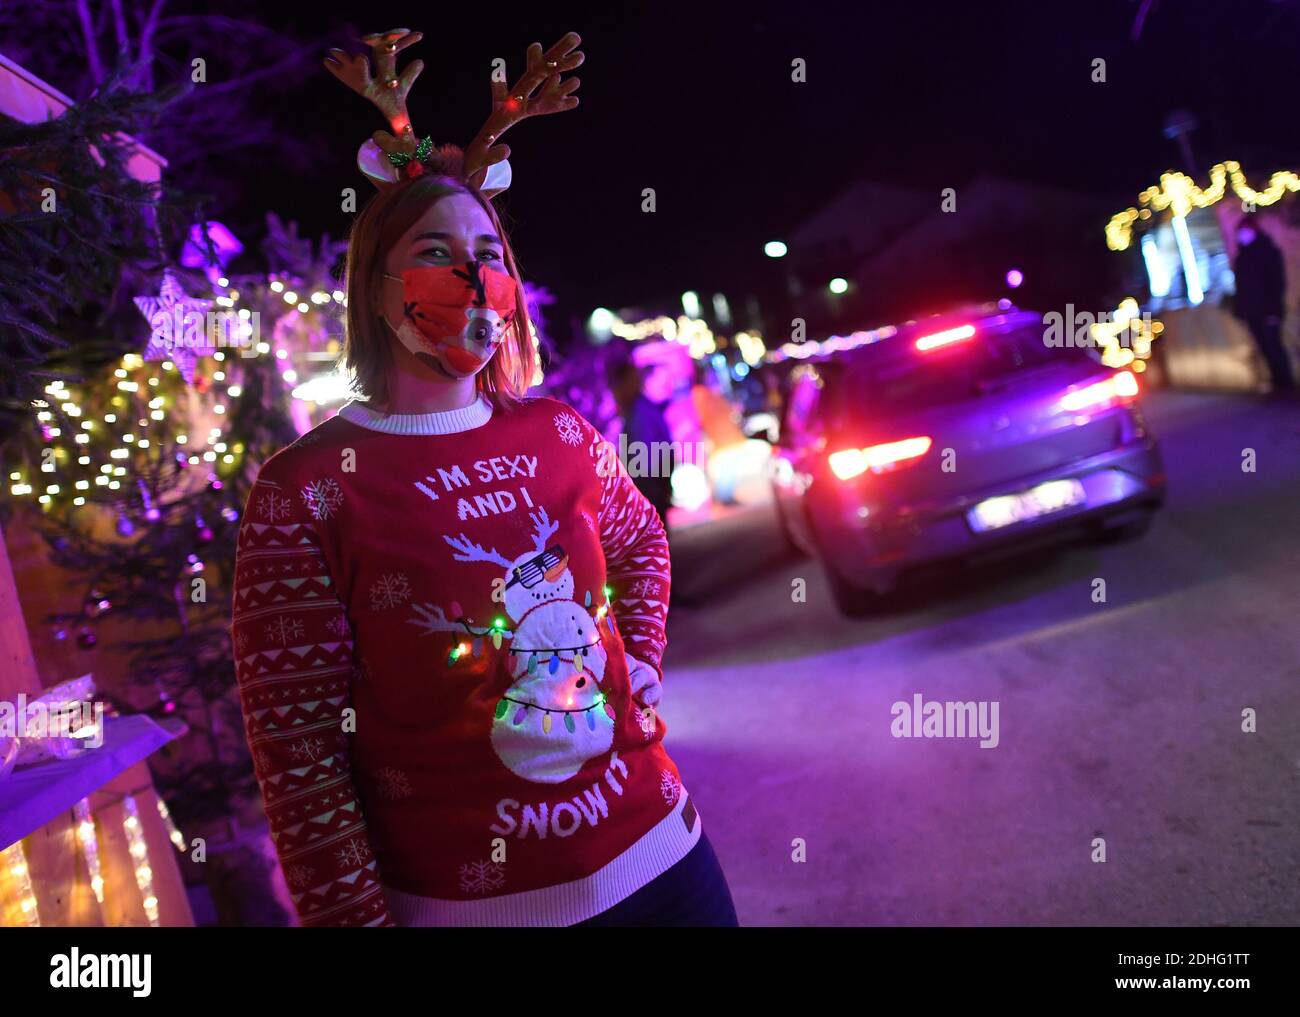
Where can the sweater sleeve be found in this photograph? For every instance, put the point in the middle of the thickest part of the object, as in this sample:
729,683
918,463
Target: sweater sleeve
294,666
637,566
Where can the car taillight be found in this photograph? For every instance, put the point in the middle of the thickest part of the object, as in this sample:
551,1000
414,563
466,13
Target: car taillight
1119,387
851,462
945,338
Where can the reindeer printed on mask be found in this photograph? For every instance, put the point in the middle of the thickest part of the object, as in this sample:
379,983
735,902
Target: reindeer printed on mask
555,716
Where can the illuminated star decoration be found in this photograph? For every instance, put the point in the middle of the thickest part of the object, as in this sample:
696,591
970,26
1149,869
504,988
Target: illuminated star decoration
167,337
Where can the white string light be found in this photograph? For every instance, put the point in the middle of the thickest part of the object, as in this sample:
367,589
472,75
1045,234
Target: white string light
173,833
17,863
140,857
89,847
1179,193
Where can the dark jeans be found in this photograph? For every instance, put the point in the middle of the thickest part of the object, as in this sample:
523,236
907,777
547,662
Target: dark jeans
693,892
1268,337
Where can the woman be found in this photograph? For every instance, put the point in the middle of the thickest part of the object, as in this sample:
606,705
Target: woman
450,601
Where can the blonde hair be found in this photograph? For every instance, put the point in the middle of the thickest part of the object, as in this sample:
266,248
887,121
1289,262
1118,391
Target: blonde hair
368,351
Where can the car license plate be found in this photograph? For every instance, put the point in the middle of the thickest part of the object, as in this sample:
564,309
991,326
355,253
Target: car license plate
1008,509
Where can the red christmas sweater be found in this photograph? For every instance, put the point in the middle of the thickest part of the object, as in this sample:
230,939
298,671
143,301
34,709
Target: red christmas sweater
448,630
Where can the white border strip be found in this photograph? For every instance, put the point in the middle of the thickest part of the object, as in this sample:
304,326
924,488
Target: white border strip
660,849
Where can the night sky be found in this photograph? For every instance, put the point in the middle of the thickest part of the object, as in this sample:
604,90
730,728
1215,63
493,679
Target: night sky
696,101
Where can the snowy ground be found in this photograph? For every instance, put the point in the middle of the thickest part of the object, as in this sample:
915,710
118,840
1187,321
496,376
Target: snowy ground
1119,721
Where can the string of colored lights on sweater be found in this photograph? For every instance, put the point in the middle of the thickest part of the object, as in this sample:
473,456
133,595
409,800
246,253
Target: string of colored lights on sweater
498,630
599,702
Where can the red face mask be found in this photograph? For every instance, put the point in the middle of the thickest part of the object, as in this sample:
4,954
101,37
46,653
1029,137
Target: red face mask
456,315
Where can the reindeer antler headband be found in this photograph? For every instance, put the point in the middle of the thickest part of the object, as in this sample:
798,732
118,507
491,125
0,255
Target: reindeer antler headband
387,158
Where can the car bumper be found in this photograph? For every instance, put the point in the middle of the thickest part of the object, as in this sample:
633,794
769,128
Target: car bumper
872,545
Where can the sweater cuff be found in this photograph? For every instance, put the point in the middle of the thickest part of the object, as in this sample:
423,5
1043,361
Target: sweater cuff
647,680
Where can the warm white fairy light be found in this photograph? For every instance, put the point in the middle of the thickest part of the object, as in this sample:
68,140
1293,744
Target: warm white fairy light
140,856
1179,194
89,847
16,862
134,398
172,832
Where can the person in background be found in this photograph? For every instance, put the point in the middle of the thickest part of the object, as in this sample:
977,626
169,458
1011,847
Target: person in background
643,422
1261,288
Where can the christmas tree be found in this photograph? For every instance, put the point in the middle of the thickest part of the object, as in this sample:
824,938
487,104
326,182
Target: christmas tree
140,473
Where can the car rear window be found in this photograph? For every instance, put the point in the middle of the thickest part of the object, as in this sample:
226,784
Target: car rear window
899,378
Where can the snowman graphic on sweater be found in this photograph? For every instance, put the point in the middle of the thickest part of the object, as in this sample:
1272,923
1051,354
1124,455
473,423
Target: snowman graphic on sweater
554,717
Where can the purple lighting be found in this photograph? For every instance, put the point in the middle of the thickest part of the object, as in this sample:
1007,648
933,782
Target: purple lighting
1015,277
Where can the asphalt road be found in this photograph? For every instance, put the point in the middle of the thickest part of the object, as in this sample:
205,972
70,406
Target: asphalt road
1119,720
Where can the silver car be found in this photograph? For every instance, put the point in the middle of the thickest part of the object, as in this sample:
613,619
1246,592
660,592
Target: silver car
952,440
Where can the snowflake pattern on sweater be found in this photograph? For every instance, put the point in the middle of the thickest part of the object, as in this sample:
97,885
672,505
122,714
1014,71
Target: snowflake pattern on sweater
450,595
293,683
